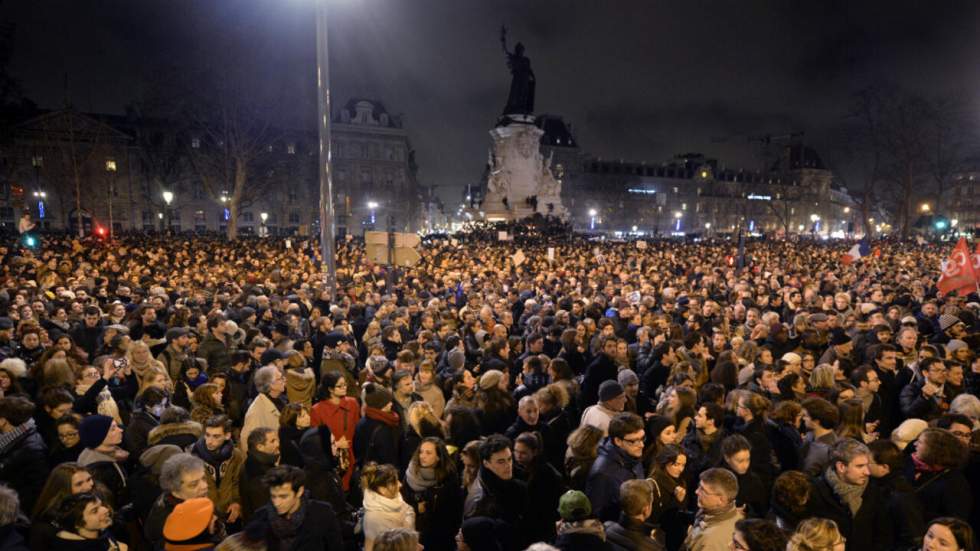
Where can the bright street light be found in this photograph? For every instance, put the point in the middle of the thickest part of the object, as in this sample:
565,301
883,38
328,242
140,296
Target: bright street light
847,210
372,204
925,207
707,225
168,197
593,212
814,217
678,214
264,216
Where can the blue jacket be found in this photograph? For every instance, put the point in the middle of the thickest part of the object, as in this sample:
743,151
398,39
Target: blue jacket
612,467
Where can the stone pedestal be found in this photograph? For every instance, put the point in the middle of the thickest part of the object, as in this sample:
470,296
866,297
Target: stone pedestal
521,182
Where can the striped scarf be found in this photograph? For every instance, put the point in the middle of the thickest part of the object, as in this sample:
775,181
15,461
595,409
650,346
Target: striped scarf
7,439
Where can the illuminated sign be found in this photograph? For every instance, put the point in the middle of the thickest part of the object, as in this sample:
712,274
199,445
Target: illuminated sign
754,197
642,191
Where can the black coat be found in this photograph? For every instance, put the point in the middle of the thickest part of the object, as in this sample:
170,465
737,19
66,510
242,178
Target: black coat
319,530
602,369
757,433
611,468
437,512
904,510
376,441
138,431
942,494
914,404
786,443
581,541
24,467
631,535
866,531
253,492
545,487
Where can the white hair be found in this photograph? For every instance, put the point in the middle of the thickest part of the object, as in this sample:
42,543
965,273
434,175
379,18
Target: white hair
15,366
967,404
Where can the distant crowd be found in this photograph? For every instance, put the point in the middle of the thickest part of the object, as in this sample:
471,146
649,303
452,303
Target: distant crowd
540,392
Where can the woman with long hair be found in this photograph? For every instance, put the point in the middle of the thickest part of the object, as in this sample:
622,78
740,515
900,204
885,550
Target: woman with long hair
852,421
340,412
432,488
206,402
816,534
670,494
583,448
66,479
660,433
384,507
463,385
422,423
752,410
293,422
139,358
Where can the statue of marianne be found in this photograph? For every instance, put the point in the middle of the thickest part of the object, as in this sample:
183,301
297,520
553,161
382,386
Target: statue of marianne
521,98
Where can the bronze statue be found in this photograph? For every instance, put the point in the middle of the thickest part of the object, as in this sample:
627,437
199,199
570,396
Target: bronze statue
521,98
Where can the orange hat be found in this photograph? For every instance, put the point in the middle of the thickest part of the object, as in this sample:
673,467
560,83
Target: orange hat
188,520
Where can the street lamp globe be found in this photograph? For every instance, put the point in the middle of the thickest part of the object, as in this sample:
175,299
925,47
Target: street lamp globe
168,197
847,210
678,214
372,204
925,207
264,216
593,212
814,217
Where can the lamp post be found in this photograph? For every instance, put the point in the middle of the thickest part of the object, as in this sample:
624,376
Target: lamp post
263,229
110,167
373,205
677,217
328,264
37,162
168,198
592,215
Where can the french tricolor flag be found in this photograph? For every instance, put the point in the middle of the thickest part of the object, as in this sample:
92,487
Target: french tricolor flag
860,250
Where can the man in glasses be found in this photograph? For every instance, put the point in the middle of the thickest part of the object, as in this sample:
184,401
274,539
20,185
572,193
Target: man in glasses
717,515
928,397
618,461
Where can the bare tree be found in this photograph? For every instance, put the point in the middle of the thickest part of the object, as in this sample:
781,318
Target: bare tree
229,147
947,144
904,139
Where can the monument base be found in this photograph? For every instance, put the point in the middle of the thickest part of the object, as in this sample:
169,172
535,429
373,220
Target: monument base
520,183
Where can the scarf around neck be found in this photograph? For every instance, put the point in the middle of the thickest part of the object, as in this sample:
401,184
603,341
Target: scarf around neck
420,478
389,418
851,494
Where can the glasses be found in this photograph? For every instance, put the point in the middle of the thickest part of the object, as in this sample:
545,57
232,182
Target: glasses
961,434
68,434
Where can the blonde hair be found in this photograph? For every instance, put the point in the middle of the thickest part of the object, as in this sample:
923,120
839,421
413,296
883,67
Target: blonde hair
397,539
422,411
815,534
822,376
151,374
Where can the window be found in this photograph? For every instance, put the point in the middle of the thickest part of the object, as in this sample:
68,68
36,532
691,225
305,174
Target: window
196,143
247,216
683,206
366,177
291,149
292,194
294,217
147,216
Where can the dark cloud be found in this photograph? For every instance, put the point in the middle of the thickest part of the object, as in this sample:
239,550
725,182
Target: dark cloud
638,80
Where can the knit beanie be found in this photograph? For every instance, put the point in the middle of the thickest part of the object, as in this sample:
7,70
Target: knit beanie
456,359
491,379
609,390
627,377
93,430
574,506
188,523
376,396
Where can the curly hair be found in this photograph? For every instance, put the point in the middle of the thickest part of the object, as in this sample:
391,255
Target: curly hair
815,534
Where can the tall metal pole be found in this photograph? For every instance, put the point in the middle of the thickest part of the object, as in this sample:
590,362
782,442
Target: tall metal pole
328,261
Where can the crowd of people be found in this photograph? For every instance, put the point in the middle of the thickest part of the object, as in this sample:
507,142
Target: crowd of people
190,394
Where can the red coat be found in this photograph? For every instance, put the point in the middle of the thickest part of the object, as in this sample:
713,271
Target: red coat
342,419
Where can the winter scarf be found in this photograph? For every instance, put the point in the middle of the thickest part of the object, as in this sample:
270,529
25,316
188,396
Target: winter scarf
213,458
921,467
389,418
8,439
851,494
420,478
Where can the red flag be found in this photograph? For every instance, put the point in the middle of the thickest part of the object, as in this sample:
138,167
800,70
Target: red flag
958,274
976,263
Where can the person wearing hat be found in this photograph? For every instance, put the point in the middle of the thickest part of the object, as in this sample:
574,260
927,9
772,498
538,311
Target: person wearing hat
23,454
951,327
958,350
612,400
377,436
192,526
336,357
840,350
172,357
100,437
578,529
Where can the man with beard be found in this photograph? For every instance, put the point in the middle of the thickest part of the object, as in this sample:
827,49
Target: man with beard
223,463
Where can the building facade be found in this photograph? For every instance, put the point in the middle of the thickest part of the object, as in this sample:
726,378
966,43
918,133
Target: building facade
691,194
964,202
118,172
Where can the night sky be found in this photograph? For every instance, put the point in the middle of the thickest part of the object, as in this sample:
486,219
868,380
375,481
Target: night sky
638,80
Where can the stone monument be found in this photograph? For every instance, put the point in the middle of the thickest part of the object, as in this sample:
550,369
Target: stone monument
520,181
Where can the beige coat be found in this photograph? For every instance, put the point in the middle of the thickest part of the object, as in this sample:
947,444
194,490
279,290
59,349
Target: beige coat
262,413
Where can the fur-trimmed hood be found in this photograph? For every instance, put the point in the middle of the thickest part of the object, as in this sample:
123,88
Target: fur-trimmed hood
174,429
